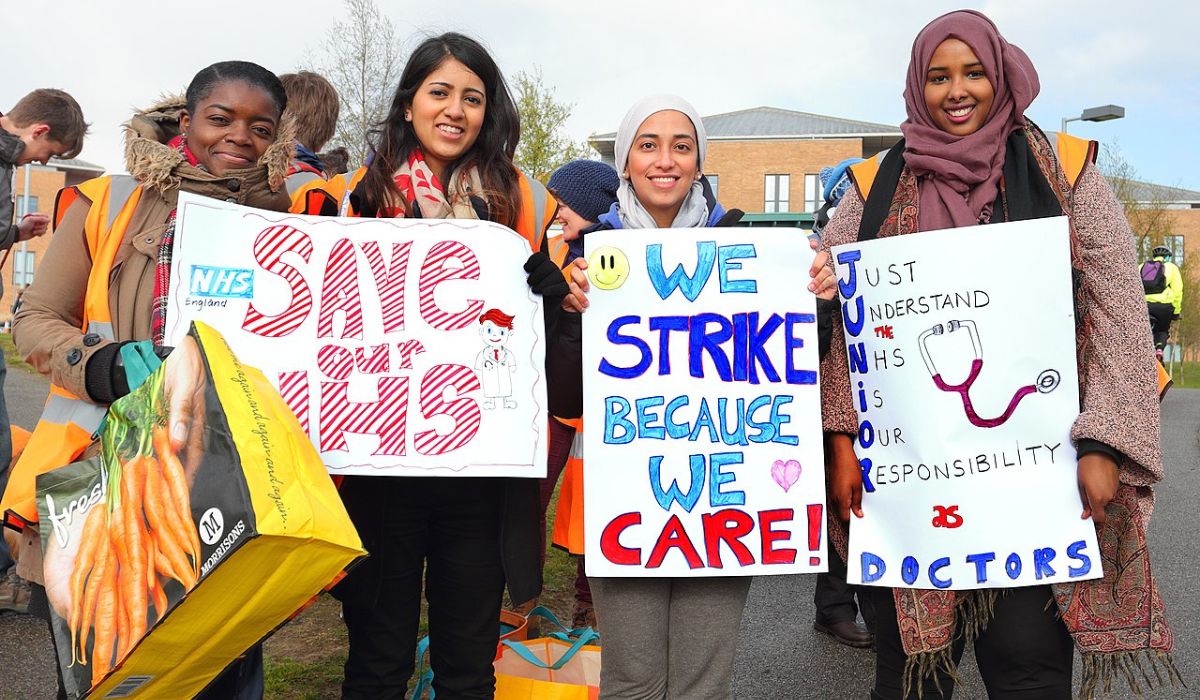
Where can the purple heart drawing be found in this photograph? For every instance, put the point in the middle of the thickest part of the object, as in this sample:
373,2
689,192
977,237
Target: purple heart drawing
785,473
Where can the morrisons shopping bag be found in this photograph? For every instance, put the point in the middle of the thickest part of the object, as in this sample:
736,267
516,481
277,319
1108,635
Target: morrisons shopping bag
168,555
563,665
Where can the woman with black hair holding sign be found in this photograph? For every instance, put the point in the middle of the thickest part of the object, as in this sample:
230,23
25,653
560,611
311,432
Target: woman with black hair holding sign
444,151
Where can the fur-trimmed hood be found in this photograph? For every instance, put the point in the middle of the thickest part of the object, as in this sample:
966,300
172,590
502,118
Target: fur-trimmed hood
151,162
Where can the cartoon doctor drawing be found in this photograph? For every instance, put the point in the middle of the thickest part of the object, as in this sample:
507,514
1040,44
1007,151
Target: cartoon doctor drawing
495,363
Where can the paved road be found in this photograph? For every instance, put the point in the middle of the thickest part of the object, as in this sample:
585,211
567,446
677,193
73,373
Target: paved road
780,657
26,657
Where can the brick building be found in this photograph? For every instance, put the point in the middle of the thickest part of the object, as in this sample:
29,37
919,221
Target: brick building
765,160
1181,211
44,181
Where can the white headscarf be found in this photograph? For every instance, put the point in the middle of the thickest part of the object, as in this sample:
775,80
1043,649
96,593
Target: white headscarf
694,210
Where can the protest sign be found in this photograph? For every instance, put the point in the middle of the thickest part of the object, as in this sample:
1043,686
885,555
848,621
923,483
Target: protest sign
961,347
406,347
702,447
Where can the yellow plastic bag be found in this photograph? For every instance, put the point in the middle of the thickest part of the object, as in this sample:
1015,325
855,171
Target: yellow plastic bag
166,562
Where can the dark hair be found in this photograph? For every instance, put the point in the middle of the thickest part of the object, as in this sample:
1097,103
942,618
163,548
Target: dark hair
336,161
492,153
57,110
313,103
235,71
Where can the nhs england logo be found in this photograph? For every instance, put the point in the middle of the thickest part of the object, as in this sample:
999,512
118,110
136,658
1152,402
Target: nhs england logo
221,282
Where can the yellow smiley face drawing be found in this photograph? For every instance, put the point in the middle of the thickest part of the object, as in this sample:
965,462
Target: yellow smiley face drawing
608,268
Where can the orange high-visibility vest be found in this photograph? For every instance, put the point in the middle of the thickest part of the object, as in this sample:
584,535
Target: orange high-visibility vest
299,182
68,423
1073,154
568,516
537,210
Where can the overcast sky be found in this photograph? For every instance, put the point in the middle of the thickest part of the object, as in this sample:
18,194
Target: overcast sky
844,59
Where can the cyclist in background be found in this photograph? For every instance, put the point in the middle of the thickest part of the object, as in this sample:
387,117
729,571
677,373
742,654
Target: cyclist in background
1164,294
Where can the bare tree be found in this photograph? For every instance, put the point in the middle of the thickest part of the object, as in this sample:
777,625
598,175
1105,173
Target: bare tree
362,58
543,146
1144,208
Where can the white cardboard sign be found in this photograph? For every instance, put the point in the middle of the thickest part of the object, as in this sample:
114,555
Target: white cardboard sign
702,433
406,347
961,346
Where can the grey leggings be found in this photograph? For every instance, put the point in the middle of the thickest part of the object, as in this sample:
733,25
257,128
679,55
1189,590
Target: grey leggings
668,637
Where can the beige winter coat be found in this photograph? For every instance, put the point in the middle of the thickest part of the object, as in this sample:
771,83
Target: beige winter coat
47,329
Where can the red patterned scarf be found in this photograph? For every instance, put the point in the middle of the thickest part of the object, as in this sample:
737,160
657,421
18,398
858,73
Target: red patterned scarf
419,185
162,266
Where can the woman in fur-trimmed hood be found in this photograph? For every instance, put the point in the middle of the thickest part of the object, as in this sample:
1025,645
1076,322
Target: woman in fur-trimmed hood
227,148
225,140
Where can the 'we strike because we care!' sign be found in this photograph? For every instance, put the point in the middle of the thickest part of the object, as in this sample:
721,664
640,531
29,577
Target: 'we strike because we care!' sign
702,429
405,347
961,346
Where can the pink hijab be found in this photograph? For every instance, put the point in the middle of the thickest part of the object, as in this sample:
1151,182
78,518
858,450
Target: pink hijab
959,176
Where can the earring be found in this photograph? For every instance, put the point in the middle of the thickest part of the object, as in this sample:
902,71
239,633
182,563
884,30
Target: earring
408,116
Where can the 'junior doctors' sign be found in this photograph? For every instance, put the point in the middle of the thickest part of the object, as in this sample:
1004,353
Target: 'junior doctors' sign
961,347
702,439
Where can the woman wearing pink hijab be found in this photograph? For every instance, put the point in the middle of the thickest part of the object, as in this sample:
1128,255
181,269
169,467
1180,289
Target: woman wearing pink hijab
970,157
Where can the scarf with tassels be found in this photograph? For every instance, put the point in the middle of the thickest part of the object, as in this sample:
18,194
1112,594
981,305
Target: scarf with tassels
162,264
433,199
1118,622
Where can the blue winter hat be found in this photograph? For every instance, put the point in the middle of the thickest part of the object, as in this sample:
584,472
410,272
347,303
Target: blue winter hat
588,187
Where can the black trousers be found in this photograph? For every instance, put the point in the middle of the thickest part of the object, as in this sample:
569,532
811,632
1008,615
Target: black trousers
834,598
1024,653
1160,322
446,529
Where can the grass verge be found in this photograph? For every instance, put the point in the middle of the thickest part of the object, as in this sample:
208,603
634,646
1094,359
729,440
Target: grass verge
11,357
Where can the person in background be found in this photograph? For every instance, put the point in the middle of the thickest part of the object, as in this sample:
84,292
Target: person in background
1163,284
834,599
584,189
336,160
44,124
313,105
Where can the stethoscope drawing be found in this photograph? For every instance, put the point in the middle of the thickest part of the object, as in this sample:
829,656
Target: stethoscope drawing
1046,382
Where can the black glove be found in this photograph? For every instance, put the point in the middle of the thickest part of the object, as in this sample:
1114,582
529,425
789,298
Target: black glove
104,376
1175,317
545,278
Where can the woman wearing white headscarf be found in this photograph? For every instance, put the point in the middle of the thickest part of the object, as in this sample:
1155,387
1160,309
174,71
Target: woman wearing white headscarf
667,637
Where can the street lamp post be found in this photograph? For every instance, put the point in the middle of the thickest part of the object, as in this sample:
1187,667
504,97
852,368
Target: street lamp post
1096,114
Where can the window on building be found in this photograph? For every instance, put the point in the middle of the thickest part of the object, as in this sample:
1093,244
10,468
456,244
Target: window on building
1175,243
23,263
712,182
812,193
776,199
20,205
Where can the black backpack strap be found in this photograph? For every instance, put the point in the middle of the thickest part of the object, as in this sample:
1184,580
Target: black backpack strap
879,201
